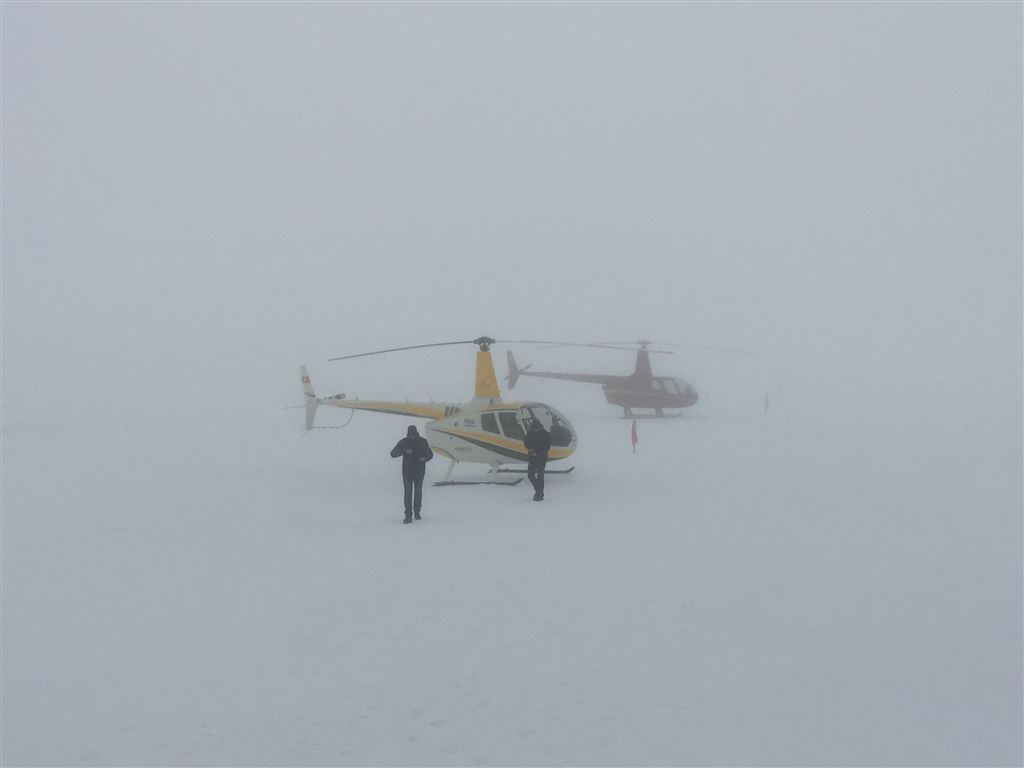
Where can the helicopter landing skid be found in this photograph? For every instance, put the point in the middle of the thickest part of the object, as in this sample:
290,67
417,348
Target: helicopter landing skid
653,416
546,471
480,482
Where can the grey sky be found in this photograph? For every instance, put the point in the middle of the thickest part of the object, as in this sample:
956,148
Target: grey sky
837,183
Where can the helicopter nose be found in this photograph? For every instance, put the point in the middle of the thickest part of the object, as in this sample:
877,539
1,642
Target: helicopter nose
691,395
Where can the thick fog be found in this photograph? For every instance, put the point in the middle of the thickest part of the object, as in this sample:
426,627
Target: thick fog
824,554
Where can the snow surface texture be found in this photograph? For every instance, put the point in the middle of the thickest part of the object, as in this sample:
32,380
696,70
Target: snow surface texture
745,589
199,197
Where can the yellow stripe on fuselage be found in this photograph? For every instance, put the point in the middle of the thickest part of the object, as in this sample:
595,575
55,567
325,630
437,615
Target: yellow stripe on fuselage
503,445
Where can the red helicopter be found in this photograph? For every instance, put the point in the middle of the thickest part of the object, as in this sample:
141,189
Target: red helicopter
641,389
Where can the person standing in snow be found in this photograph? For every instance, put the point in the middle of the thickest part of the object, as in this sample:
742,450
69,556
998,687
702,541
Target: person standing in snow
538,443
415,453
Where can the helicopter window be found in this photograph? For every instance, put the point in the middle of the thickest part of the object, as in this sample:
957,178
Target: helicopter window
510,425
489,423
561,435
656,385
670,387
529,416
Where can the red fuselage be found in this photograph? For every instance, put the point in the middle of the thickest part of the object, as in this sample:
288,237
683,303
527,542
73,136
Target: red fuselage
657,392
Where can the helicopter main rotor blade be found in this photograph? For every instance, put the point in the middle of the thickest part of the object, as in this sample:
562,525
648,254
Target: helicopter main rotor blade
556,345
633,349
402,349
733,350
532,341
687,345
484,343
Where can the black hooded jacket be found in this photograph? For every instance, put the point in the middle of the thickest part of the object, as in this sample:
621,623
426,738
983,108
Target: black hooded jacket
538,442
415,453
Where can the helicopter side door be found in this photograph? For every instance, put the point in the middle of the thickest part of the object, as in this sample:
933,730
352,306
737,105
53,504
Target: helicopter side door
562,435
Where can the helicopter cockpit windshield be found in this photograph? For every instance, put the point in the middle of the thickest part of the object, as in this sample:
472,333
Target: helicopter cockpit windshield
561,433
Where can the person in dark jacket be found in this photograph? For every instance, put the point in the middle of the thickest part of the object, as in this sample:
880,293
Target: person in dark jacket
415,453
538,443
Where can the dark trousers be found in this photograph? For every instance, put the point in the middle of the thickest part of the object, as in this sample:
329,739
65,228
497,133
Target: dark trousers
535,471
413,504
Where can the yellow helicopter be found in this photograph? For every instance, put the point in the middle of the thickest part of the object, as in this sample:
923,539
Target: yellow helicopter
485,430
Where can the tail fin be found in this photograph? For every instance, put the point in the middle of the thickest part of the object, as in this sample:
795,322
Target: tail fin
643,364
513,371
311,401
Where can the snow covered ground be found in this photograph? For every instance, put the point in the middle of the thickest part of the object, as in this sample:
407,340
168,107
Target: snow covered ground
825,583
